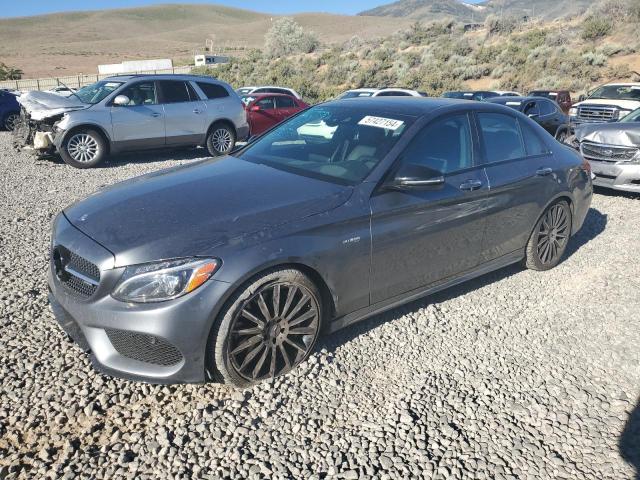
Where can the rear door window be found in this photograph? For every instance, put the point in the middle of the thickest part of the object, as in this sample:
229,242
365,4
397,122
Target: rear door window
532,141
547,108
445,145
501,137
267,103
212,90
174,91
285,102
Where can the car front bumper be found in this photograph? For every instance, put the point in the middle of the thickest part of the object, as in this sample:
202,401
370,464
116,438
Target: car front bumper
618,176
164,342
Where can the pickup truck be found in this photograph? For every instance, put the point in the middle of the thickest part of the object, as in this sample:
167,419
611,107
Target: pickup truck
607,103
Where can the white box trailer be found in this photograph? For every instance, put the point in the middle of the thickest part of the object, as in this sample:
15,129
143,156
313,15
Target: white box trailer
204,60
132,66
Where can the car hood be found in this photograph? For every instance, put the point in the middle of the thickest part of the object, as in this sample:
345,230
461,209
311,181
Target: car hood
624,104
624,134
41,105
186,211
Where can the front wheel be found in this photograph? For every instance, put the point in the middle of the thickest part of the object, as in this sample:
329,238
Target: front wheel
11,120
220,140
270,327
550,237
84,149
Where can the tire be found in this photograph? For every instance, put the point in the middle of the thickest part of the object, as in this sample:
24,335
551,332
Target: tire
10,121
84,148
550,237
220,140
245,338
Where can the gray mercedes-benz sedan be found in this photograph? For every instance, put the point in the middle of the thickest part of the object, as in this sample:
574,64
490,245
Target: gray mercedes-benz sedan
228,269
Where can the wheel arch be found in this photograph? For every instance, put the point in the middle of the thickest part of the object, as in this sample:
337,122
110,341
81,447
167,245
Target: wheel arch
328,298
328,301
560,196
87,126
225,121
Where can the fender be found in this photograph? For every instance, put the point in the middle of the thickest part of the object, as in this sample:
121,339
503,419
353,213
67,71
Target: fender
59,139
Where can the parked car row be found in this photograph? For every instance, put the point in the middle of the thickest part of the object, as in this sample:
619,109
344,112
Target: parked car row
135,112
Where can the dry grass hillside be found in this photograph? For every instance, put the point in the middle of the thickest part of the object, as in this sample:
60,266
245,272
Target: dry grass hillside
510,53
69,43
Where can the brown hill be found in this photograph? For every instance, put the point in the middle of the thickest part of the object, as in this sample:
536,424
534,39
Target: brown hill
67,43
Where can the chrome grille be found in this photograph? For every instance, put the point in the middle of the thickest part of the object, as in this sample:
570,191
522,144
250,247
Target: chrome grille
607,153
143,347
591,113
74,272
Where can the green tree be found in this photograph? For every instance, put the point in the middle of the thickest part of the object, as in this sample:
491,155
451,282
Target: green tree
286,37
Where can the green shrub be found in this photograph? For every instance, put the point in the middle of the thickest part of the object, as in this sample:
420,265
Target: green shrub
501,25
594,28
286,37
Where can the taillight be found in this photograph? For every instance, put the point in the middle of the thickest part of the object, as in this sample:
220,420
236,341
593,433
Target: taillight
586,166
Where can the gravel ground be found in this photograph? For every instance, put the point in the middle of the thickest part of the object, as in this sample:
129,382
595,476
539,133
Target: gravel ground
517,374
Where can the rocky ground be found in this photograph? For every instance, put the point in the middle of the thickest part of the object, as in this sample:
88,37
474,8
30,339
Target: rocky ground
517,374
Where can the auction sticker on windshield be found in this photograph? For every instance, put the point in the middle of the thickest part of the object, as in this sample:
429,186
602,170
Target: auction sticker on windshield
381,122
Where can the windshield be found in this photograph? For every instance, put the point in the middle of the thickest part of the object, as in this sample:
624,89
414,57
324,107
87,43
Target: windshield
96,92
616,92
632,117
338,144
454,95
354,94
244,91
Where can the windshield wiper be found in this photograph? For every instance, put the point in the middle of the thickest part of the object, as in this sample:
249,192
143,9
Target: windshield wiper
72,91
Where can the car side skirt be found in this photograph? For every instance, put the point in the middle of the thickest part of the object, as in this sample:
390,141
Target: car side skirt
398,300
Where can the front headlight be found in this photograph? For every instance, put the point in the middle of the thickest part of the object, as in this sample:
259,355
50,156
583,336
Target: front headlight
623,113
161,281
573,112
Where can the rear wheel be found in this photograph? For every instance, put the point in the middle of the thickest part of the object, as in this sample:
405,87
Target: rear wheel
11,120
84,149
550,237
220,140
270,327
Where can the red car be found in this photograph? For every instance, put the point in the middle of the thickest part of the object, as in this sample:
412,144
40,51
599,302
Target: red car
265,110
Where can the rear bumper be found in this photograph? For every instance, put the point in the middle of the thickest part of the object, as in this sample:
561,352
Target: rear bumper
621,177
243,133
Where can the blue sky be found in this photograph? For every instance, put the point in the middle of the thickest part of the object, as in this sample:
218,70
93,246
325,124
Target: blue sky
22,8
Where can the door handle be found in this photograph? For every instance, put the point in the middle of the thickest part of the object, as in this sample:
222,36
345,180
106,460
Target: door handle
471,185
155,114
544,171
197,111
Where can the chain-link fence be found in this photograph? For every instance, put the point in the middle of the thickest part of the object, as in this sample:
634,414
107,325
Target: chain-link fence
76,81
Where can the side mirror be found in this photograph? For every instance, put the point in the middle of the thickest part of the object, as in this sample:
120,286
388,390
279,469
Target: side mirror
255,108
582,98
412,175
121,100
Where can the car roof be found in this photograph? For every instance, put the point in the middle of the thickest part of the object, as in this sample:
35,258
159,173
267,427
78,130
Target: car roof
548,90
258,96
515,99
168,76
412,106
